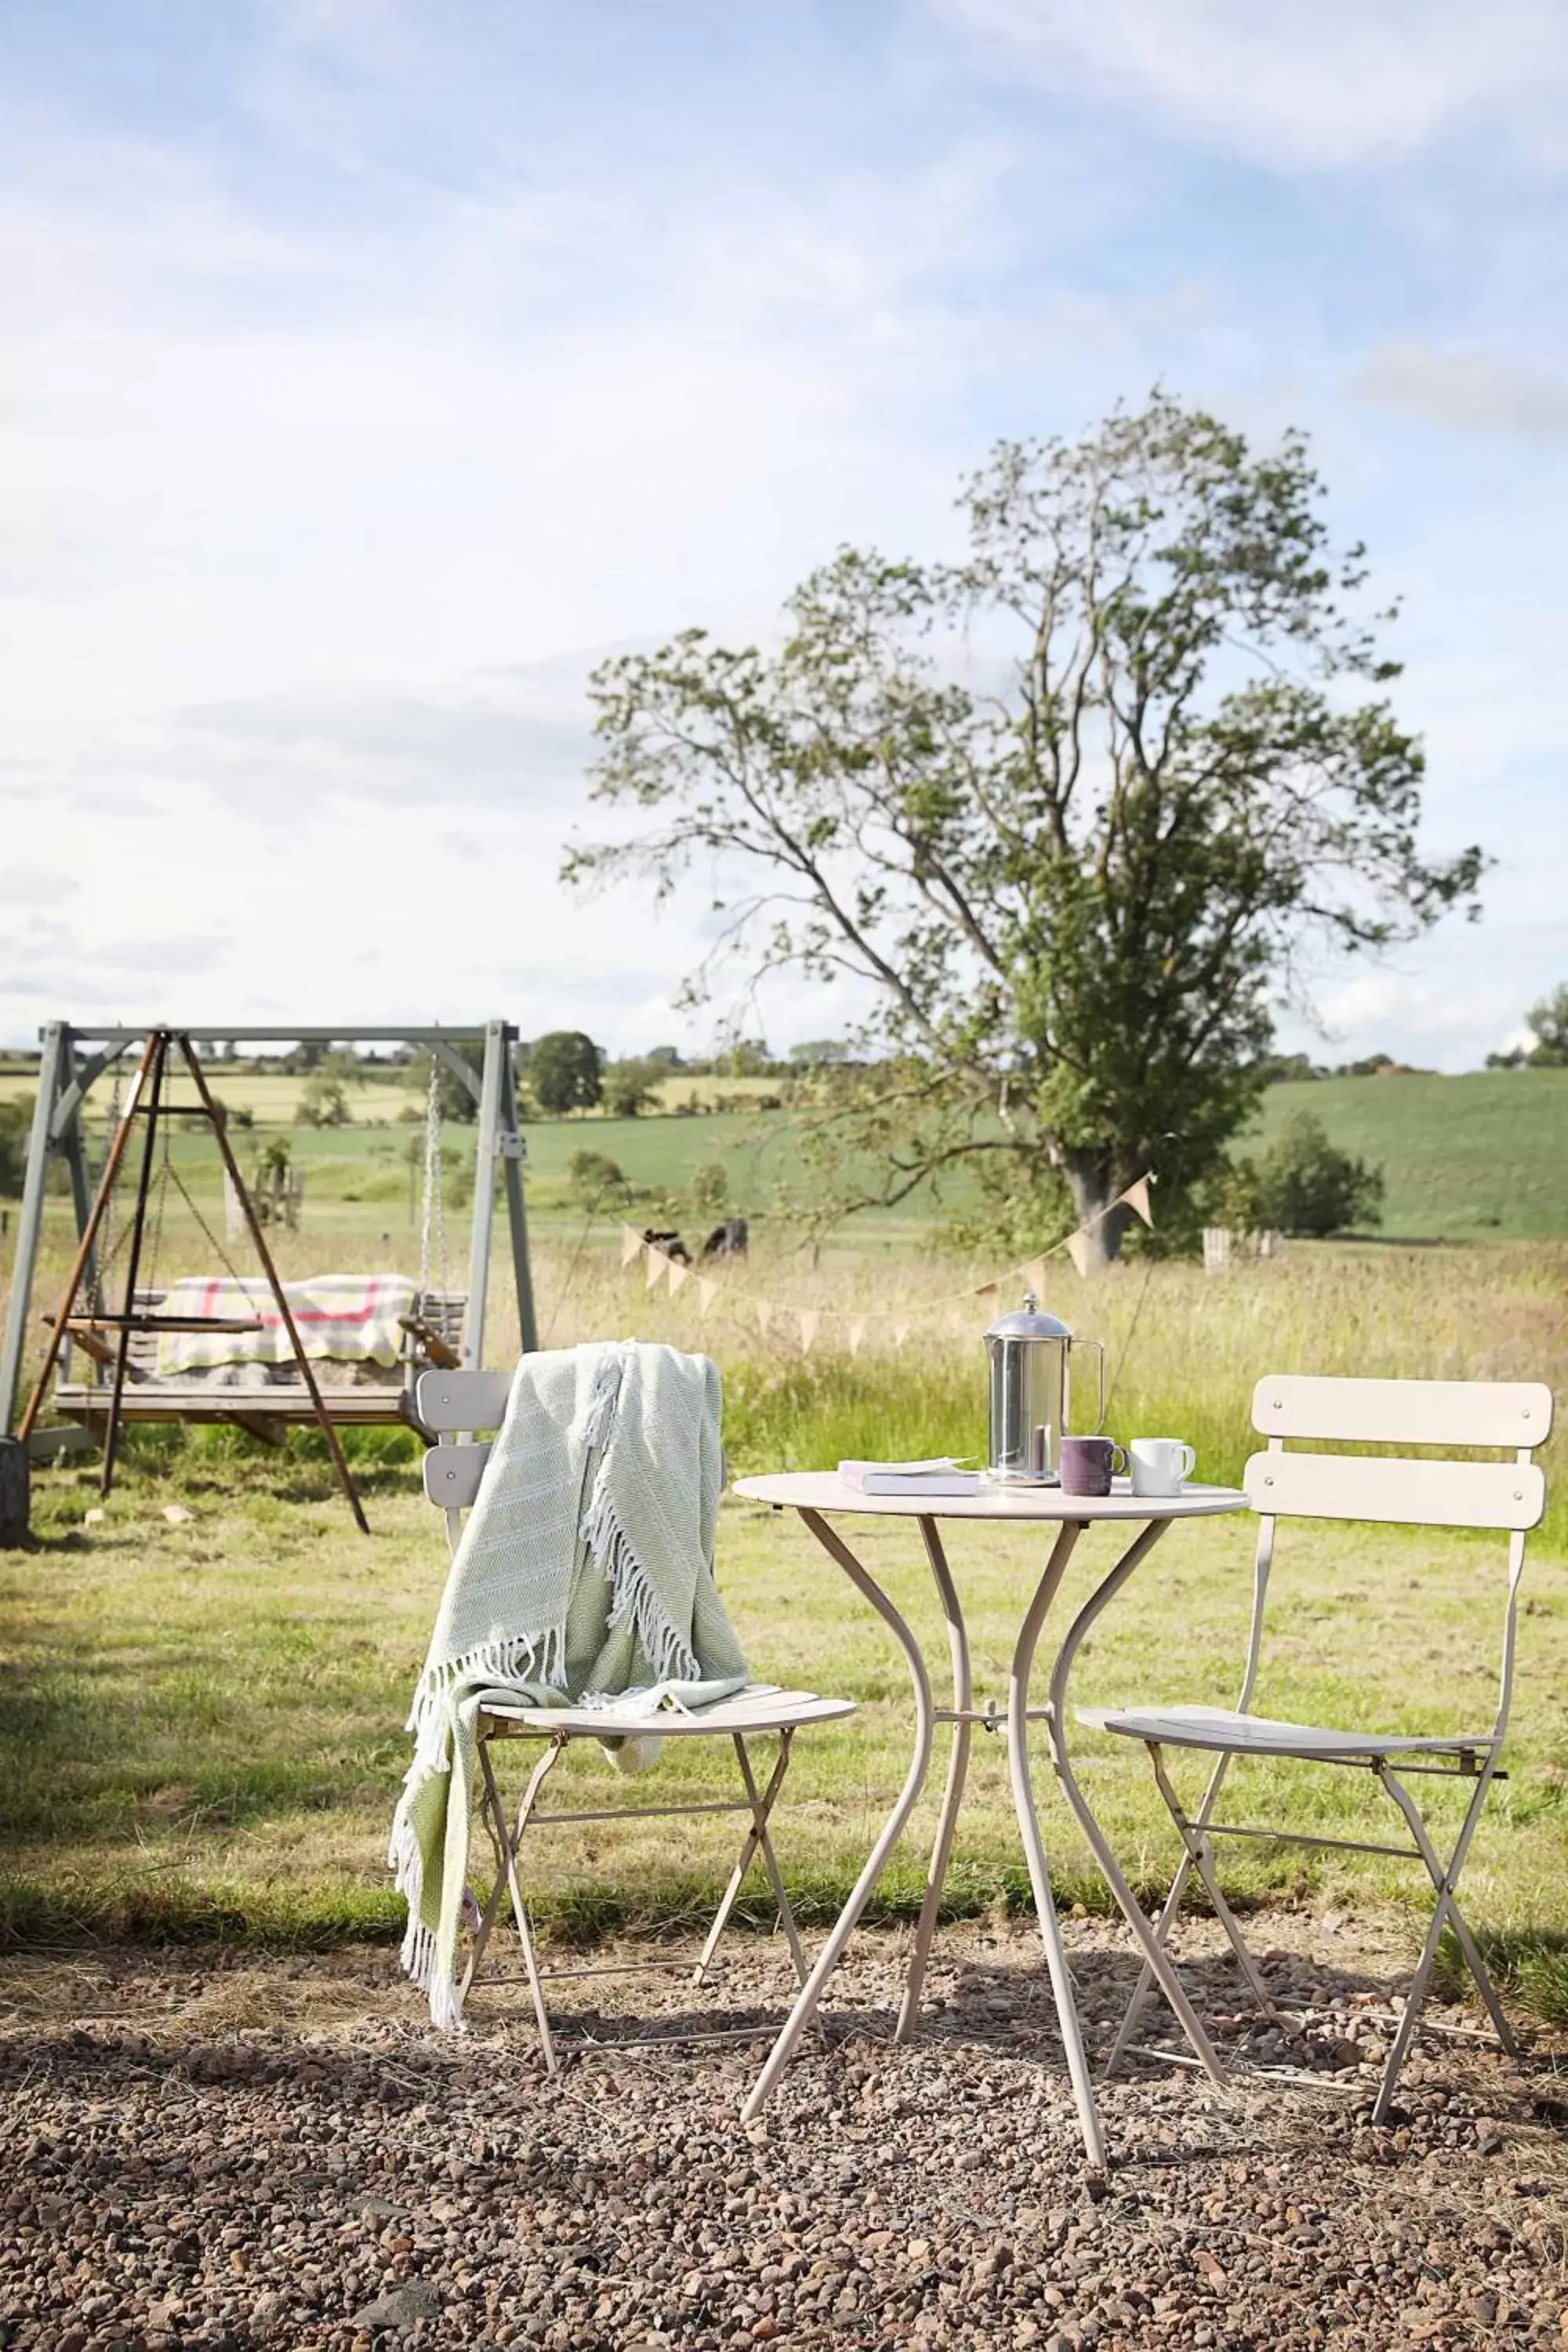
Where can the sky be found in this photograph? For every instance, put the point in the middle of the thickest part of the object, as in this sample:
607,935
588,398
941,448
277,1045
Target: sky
369,369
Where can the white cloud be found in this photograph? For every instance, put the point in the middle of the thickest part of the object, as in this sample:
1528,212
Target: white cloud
1316,83
1468,390
309,503
235,459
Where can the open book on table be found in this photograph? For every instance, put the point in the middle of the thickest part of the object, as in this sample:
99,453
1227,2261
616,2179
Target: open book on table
939,1476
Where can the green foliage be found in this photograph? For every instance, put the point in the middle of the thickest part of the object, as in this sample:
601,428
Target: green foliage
15,1127
1071,896
631,1086
710,1189
455,1104
592,1177
1301,1185
1548,1022
564,1072
323,1102
323,1098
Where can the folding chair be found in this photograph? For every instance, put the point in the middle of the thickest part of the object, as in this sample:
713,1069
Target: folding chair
1508,1496
452,1405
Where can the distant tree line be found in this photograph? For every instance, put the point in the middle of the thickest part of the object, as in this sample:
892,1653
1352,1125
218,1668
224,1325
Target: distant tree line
1548,1026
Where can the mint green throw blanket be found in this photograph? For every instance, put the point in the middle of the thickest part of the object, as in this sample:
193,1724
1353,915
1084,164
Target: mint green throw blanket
584,1572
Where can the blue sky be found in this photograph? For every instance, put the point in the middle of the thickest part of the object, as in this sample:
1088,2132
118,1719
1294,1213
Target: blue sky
372,369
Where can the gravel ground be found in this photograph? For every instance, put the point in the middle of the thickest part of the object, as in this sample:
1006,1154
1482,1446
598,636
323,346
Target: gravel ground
244,2155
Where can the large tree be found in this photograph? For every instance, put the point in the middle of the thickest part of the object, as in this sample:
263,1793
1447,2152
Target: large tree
565,1071
1073,805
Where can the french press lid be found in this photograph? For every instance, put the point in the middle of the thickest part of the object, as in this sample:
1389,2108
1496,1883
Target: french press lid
1029,1321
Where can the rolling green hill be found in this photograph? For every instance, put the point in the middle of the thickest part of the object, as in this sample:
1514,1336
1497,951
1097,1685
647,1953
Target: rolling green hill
1464,1156
1472,1158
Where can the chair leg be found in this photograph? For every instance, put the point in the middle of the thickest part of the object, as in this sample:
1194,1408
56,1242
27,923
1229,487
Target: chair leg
1505,2034
757,1839
1445,1882
1169,1914
765,1841
545,1764
1199,1853
494,1814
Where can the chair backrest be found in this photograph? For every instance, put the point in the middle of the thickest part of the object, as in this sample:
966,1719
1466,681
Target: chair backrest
1429,1489
1418,1491
453,1404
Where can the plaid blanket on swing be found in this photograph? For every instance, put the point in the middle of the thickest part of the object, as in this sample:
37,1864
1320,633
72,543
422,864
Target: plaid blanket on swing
352,1317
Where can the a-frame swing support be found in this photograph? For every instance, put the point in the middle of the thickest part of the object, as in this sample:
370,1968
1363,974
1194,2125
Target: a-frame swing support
72,1058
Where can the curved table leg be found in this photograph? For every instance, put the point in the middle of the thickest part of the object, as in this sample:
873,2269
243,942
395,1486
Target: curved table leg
1153,1951
827,1960
1034,1846
957,1772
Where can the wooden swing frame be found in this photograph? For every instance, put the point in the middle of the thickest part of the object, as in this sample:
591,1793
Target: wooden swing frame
73,1058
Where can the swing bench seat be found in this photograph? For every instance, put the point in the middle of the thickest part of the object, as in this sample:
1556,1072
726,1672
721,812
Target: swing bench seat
267,1408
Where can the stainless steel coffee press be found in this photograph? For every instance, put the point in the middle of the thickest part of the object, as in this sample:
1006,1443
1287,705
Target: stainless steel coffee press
1031,1393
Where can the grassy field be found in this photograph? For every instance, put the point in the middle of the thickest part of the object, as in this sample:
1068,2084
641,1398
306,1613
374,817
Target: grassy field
1478,1156
1464,1156
201,1728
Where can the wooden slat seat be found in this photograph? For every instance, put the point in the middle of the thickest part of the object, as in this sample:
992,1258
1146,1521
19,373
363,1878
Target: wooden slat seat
760,1707
266,1407
150,1401
1223,1731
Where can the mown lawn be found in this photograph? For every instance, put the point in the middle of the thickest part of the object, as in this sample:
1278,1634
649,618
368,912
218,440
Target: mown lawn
200,1723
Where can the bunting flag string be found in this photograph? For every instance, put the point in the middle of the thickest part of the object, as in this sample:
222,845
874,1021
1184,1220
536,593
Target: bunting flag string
1137,1199
958,1308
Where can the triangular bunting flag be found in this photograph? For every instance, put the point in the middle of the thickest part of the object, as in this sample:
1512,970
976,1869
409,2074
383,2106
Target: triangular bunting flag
631,1244
1137,1199
707,1292
901,1333
677,1274
1079,1250
856,1333
764,1315
1035,1274
658,1267
990,1297
810,1324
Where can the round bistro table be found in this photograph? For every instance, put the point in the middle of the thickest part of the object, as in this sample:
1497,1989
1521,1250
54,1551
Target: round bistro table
821,1497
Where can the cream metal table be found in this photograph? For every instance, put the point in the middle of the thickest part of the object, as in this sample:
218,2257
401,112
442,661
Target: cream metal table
820,1496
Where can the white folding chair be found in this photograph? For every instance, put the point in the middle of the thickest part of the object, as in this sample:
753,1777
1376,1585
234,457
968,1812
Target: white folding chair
1508,1496
452,1405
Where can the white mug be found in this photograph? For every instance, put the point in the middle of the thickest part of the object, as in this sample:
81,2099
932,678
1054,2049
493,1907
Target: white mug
1159,1464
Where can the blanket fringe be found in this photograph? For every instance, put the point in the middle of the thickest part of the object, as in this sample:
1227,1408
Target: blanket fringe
634,1596
508,1658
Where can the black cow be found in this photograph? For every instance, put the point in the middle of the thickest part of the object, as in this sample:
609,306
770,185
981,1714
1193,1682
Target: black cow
728,1240
670,1243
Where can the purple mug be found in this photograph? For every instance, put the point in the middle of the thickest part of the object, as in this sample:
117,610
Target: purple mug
1087,1464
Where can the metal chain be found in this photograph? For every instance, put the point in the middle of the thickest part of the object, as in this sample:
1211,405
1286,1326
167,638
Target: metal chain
435,1217
207,1233
108,1244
